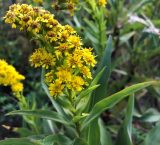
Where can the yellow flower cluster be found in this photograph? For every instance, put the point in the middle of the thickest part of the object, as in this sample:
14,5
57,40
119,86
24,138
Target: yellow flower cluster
68,64
102,2
42,58
10,77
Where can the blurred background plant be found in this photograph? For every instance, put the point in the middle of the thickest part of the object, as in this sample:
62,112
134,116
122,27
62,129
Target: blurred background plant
134,27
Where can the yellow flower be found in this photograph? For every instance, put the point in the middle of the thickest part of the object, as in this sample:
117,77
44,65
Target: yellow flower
86,72
69,29
74,41
33,26
42,58
10,77
10,18
14,26
77,83
64,74
63,47
74,61
58,54
102,2
69,5
51,36
24,21
49,76
18,87
56,88
88,57
24,8
51,23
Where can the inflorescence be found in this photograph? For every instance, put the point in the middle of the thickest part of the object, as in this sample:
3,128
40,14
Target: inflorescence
68,65
10,77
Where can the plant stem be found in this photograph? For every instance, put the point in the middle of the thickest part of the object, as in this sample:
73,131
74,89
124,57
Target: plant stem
78,129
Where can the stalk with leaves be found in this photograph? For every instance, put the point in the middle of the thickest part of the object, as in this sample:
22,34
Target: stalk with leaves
66,77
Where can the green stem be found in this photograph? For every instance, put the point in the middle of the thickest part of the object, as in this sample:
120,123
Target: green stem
77,124
78,129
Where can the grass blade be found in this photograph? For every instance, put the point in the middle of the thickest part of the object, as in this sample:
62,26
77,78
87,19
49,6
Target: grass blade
46,114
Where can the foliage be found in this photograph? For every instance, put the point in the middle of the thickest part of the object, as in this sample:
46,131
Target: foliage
90,100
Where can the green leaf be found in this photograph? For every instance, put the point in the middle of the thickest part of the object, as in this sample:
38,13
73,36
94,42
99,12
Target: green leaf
57,139
24,132
105,137
151,115
51,115
94,133
91,25
152,137
112,100
125,132
87,91
79,141
65,103
139,5
77,118
98,76
127,36
105,62
83,104
17,141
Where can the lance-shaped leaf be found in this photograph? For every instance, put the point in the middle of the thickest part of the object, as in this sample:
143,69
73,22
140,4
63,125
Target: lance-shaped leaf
125,132
46,114
112,100
105,62
57,139
151,115
86,92
94,133
79,141
105,137
17,141
83,104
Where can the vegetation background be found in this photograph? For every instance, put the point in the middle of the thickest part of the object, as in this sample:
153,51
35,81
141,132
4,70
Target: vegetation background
135,57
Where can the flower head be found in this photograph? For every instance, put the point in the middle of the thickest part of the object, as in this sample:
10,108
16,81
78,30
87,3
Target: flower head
10,77
56,88
41,58
102,2
77,83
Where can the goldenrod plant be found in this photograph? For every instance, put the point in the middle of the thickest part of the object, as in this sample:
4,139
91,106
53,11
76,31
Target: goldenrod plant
71,75
10,77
